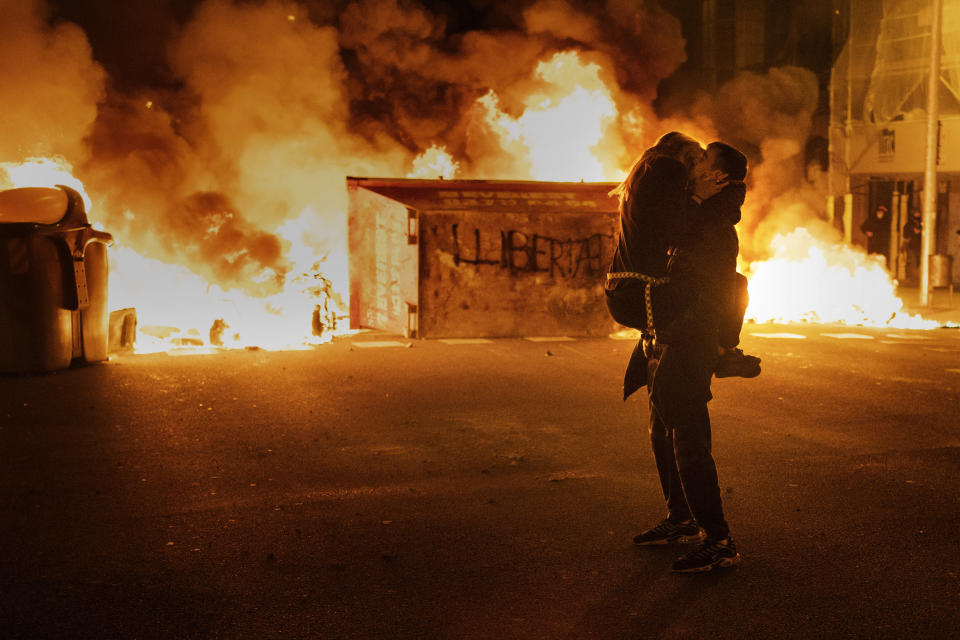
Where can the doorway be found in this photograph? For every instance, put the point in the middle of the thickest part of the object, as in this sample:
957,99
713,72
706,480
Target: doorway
896,199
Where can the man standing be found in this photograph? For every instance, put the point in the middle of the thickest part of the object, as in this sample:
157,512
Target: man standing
680,367
877,230
912,232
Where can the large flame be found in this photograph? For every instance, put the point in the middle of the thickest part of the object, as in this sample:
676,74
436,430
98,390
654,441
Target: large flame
562,123
177,309
808,280
435,162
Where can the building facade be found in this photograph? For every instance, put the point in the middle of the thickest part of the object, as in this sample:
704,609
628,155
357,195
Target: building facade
878,127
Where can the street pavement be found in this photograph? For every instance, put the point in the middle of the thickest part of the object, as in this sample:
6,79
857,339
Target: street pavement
378,487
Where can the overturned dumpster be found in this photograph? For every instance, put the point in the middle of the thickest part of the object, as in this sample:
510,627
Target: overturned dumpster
480,258
53,282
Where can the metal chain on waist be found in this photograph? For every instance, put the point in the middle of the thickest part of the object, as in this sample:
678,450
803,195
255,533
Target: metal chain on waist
649,283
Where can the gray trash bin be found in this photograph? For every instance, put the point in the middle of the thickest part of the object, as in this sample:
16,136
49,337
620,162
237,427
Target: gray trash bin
53,286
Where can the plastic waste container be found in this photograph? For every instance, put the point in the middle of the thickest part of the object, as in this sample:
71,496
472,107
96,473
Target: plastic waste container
53,281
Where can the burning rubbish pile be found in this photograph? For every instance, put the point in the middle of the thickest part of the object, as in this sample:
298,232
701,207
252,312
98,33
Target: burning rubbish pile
220,170
809,280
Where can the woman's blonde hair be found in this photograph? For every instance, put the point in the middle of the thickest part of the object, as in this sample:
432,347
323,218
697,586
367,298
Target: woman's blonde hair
670,144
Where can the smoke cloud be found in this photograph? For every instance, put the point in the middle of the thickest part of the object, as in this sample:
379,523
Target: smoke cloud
270,104
49,82
256,135
277,102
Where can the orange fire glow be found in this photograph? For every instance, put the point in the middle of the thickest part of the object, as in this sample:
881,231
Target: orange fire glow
436,162
256,150
562,123
807,280
179,310
41,172
175,306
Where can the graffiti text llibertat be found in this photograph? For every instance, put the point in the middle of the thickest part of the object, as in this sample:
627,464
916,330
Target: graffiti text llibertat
522,252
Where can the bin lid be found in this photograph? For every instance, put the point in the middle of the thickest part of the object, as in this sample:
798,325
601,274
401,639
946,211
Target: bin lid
39,205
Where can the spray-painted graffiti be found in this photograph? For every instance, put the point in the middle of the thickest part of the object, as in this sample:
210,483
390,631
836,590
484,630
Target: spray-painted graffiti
522,252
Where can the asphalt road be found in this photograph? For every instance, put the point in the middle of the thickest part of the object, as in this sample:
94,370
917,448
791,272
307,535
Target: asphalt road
477,491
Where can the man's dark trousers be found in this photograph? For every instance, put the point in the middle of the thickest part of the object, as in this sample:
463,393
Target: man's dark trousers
680,435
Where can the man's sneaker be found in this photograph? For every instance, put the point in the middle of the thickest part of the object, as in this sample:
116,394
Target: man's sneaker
667,532
710,554
735,363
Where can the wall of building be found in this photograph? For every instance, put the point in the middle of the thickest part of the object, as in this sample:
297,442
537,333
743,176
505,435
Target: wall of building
500,274
900,147
878,128
946,240
476,258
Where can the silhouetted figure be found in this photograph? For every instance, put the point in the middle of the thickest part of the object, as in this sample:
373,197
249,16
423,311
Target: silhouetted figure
681,323
877,229
912,234
705,283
